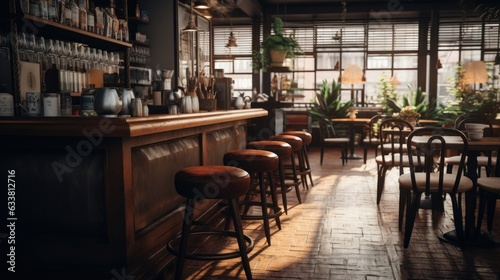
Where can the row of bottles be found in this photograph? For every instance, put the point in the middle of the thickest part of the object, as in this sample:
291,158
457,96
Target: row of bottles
82,14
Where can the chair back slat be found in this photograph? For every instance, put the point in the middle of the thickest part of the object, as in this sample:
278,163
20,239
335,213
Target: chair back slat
392,136
434,153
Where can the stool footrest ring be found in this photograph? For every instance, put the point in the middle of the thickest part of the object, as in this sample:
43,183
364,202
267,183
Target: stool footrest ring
221,256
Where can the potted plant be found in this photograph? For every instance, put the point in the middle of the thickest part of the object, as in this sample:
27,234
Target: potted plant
328,104
275,48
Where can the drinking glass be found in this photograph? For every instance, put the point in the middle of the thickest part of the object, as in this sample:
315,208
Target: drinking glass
22,46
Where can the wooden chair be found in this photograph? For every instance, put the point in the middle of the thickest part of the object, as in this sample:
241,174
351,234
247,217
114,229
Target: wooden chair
371,139
434,180
393,153
489,192
485,160
328,137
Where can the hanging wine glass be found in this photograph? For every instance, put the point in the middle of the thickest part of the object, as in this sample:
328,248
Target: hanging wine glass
22,46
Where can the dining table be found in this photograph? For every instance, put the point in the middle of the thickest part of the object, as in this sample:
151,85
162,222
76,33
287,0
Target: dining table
352,122
475,147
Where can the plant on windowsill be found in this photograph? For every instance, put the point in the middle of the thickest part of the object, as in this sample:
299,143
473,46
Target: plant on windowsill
275,46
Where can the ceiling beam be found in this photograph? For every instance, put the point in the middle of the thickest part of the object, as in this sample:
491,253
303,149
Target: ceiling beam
252,8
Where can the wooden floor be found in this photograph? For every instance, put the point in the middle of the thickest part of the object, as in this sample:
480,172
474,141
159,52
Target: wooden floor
339,232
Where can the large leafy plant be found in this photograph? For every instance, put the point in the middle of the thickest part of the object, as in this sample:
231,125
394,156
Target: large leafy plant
327,103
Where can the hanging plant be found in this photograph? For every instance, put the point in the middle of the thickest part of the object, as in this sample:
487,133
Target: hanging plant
277,41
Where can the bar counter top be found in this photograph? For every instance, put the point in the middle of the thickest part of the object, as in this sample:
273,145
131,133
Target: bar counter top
97,194
121,126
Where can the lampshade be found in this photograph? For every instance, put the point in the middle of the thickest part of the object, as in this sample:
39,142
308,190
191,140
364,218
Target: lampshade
337,66
231,41
475,73
438,64
206,14
352,75
394,81
191,26
201,5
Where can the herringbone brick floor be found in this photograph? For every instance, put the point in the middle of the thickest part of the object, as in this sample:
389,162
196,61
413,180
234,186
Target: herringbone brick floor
339,232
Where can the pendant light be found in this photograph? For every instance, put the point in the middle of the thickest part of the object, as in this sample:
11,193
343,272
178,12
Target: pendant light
191,26
202,5
206,14
337,66
231,41
438,64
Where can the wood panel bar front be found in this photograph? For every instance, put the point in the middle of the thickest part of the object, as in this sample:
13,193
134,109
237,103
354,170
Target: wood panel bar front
95,196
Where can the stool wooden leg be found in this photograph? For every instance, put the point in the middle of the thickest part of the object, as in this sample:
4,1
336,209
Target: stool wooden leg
186,230
238,228
274,198
307,165
265,214
295,179
281,175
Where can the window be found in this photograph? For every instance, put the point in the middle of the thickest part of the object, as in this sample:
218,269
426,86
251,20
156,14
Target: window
236,61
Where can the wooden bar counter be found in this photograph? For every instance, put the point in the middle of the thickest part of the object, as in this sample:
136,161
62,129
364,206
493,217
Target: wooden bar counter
94,197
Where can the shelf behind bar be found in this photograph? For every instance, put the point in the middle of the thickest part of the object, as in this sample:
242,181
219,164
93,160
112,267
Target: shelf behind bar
73,33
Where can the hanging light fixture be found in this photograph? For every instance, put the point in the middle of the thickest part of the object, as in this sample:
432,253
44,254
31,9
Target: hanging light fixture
191,26
337,66
202,5
475,73
206,14
438,64
231,41
394,80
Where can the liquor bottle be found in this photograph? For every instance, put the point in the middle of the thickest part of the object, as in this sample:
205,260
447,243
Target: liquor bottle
53,14
99,20
91,18
44,9
67,13
34,8
137,10
82,5
115,24
75,15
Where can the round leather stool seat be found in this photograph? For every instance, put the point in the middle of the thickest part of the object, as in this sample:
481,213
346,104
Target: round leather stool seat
195,180
305,136
294,141
211,182
280,148
252,160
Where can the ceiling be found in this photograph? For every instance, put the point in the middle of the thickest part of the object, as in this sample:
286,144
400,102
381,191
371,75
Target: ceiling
242,11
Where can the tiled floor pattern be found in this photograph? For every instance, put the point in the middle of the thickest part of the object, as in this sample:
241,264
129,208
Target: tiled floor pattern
339,232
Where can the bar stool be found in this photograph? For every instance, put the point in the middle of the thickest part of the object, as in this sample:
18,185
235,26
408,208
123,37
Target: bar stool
284,151
203,182
305,168
292,171
259,164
